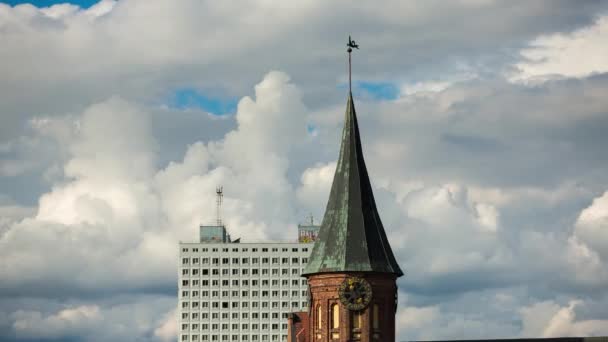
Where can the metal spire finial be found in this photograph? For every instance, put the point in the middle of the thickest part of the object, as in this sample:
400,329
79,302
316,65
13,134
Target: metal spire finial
351,45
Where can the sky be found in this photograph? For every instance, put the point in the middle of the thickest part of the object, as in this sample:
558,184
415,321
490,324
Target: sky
483,126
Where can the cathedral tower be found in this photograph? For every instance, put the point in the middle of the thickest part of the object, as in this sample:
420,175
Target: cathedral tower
352,271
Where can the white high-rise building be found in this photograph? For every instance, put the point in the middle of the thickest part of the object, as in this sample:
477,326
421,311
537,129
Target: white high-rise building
233,291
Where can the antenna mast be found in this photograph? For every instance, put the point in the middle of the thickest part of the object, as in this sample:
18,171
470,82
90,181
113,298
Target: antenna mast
220,197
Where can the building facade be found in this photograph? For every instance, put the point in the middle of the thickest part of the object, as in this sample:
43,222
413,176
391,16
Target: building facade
232,291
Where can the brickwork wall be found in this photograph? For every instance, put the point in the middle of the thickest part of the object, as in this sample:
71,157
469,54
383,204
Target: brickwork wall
324,292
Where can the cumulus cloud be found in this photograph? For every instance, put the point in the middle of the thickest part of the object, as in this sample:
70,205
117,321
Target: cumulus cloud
572,54
67,322
549,319
492,192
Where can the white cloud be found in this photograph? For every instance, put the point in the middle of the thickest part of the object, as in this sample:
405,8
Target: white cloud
67,322
549,319
573,54
592,226
315,184
167,331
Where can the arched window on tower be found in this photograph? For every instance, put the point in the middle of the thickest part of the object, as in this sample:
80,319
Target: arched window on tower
335,316
319,317
376,317
376,322
356,318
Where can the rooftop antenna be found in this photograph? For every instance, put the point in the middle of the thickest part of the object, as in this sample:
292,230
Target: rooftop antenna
351,45
220,197
312,221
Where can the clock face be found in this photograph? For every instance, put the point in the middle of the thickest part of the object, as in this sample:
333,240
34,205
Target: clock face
355,293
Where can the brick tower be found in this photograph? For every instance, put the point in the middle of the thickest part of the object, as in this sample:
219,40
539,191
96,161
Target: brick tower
352,271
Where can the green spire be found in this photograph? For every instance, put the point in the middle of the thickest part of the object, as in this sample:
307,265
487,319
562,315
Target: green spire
351,238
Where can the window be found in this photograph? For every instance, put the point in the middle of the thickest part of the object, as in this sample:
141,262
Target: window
305,249
335,316
205,260
184,283
195,260
245,271
264,260
185,261
235,249
285,249
285,271
225,261
264,249
235,261
245,260
319,317
305,260
254,249
225,271
294,249
184,250
356,319
285,261
275,260
275,249
294,261
376,317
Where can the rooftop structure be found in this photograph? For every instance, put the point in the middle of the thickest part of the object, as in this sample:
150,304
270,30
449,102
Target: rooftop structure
352,238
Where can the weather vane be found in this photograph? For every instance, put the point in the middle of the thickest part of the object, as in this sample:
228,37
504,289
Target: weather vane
351,45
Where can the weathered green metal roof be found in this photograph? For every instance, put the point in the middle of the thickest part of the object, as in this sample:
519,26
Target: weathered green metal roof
351,237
